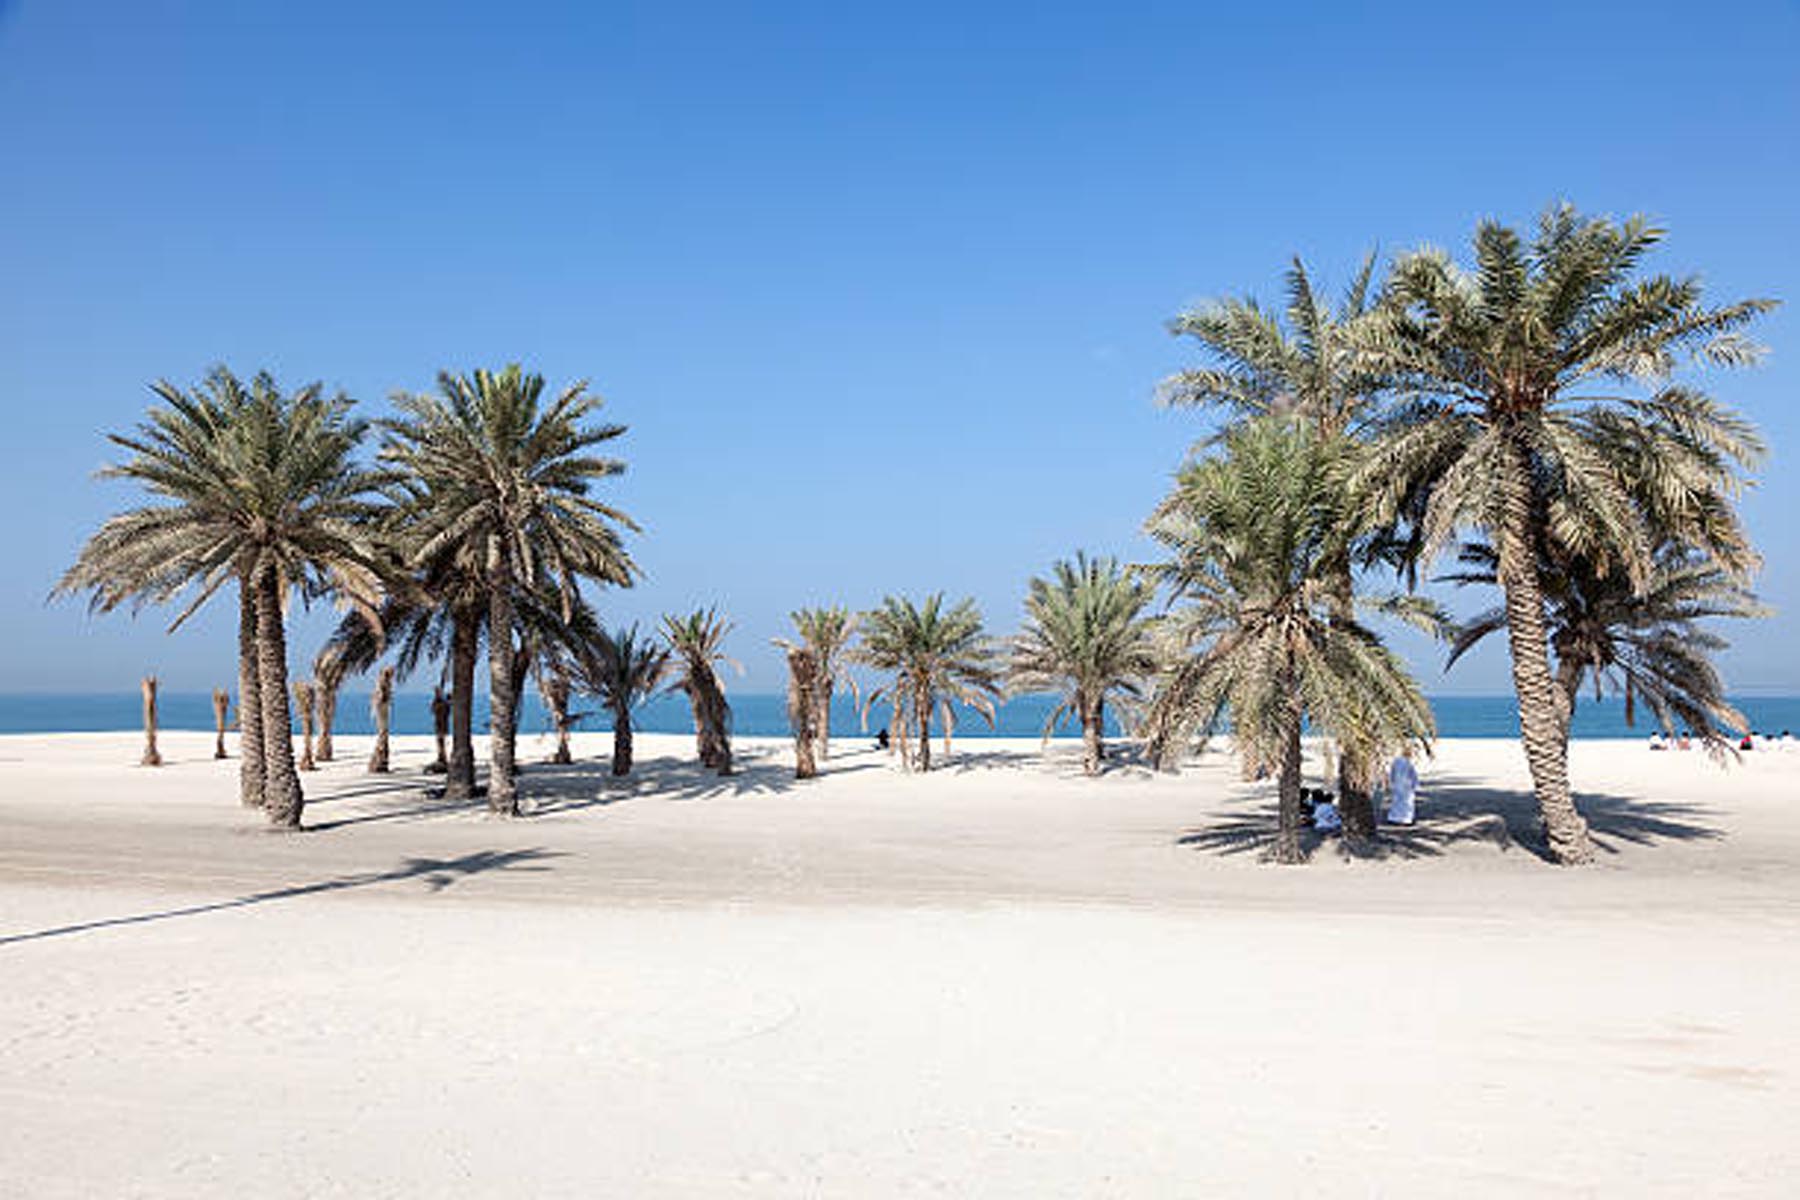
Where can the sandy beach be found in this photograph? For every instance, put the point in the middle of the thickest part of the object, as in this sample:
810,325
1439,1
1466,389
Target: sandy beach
1000,979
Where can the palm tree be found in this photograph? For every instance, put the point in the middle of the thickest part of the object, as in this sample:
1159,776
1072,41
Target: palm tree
1524,372
1086,637
622,669
1649,646
1256,532
306,699
329,669
825,633
509,481
698,640
1307,361
938,656
260,488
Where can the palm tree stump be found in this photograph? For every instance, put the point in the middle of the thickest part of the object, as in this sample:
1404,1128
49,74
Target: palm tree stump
152,757
306,699
440,729
221,707
381,707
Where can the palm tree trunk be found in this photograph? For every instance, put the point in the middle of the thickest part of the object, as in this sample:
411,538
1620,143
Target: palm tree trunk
803,710
328,693
922,707
822,718
621,756
152,756
1542,726
306,699
221,710
440,729
1093,748
382,707
250,728
465,636
1287,836
503,794
1355,802
283,800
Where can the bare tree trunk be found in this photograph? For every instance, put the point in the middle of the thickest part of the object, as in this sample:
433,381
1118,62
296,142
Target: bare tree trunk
465,636
503,794
559,712
440,729
900,740
306,699
803,710
327,702
221,710
1355,802
1093,746
1542,720
922,703
822,718
283,800
250,707
152,757
1287,836
621,755
381,707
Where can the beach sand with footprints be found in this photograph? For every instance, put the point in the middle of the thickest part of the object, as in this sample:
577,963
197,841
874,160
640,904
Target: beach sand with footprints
998,979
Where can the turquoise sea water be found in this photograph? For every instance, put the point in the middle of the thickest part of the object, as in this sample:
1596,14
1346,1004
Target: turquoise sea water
766,715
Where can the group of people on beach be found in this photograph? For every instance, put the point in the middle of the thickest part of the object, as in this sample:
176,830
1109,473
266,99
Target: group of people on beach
1402,789
1750,741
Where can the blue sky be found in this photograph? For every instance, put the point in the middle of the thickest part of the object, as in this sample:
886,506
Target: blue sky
880,292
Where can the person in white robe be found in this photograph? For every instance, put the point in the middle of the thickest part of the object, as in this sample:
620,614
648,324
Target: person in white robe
1403,784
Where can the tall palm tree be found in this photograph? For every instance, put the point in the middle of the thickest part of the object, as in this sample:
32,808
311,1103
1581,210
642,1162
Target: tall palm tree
1524,372
1256,531
1306,361
803,709
1649,646
1087,636
825,633
621,668
256,487
938,656
509,479
698,642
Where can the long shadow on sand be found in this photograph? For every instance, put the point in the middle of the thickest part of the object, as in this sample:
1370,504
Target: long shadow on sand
1455,809
547,788
437,874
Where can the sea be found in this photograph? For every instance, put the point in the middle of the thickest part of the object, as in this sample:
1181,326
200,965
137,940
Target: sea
762,715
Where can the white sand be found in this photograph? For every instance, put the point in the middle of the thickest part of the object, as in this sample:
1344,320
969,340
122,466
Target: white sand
996,980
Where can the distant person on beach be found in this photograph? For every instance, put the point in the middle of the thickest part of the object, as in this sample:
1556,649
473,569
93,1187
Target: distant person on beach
1682,742
1747,742
1403,783
881,739
1658,742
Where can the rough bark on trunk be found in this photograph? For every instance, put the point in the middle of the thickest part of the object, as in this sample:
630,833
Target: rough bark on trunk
1542,723
283,800
712,716
1287,836
803,710
1093,725
465,639
221,710
327,701
922,713
822,718
306,699
250,726
1355,803
503,794
621,756
440,729
152,756
381,707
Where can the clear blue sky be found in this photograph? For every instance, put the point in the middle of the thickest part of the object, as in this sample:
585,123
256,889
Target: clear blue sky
879,290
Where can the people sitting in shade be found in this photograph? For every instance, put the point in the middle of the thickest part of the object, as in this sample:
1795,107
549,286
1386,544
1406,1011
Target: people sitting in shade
1747,742
1403,783
1658,741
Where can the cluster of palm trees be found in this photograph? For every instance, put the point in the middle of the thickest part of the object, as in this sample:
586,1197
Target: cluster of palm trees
1520,414
476,522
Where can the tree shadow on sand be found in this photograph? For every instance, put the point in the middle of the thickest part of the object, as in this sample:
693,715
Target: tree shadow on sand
1454,809
436,873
